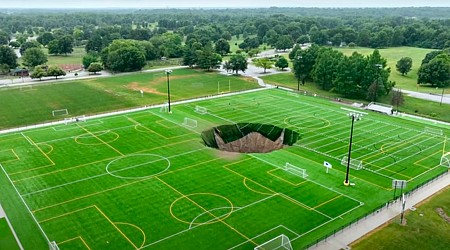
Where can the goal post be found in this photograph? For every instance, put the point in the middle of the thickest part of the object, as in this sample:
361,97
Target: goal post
74,119
53,246
295,170
433,131
164,107
59,112
190,123
280,242
200,110
445,160
354,163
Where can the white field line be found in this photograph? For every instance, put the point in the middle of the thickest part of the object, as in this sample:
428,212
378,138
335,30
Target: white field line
321,225
3,215
26,205
45,125
288,197
404,158
261,234
213,219
429,170
28,139
105,174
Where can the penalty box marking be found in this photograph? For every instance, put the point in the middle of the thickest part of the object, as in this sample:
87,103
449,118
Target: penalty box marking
75,238
98,210
14,155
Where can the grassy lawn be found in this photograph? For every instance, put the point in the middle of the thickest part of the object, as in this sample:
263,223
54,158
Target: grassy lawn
392,55
7,240
74,58
424,229
97,95
146,180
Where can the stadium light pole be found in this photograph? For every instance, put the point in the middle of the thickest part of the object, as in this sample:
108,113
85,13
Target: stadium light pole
168,72
354,117
379,67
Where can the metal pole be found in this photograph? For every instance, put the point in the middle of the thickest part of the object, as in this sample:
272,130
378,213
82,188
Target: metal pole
168,88
395,190
442,96
346,182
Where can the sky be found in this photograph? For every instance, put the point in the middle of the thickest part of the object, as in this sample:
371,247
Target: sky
217,3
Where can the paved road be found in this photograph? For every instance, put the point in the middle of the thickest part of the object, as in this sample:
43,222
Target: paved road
428,96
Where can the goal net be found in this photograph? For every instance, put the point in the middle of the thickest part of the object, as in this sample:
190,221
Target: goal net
433,131
445,160
74,119
26,88
53,246
190,123
164,107
201,110
295,170
280,242
59,112
354,163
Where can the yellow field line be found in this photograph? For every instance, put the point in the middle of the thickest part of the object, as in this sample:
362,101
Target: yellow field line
46,156
417,162
112,223
94,162
332,199
120,186
251,189
291,183
386,169
218,219
65,214
153,131
89,132
382,151
78,237
138,228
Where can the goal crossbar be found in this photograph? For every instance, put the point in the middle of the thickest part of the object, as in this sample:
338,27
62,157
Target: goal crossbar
60,112
433,131
445,160
295,170
200,110
354,163
280,242
190,123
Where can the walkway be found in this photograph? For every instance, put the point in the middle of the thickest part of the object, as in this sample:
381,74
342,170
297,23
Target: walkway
342,239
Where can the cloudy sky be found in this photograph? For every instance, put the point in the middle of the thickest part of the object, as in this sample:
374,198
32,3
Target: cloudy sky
215,3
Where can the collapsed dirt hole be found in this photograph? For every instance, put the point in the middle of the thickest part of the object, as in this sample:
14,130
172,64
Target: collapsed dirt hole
249,137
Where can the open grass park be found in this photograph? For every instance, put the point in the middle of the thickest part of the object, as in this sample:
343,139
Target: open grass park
145,180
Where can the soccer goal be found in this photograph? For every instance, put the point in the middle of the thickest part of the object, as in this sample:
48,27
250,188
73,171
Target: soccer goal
59,112
26,88
164,107
354,163
74,119
190,123
279,242
223,88
433,131
295,170
201,110
445,160
53,246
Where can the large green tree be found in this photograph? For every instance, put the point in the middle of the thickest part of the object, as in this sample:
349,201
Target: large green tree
282,63
264,63
34,57
55,71
284,42
237,63
436,72
27,45
326,67
8,56
124,56
95,67
45,38
208,59
404,65
303,63
222,47
38,73
89,58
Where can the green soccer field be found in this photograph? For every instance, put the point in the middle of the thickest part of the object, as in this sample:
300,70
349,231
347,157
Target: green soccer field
145,180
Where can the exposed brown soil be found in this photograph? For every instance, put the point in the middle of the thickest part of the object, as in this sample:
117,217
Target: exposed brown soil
252,143
135,86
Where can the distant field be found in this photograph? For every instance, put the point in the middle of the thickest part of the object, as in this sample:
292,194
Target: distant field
145,179
392,55
429,231
31,105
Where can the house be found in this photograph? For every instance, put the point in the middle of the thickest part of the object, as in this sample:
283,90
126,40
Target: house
21,72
